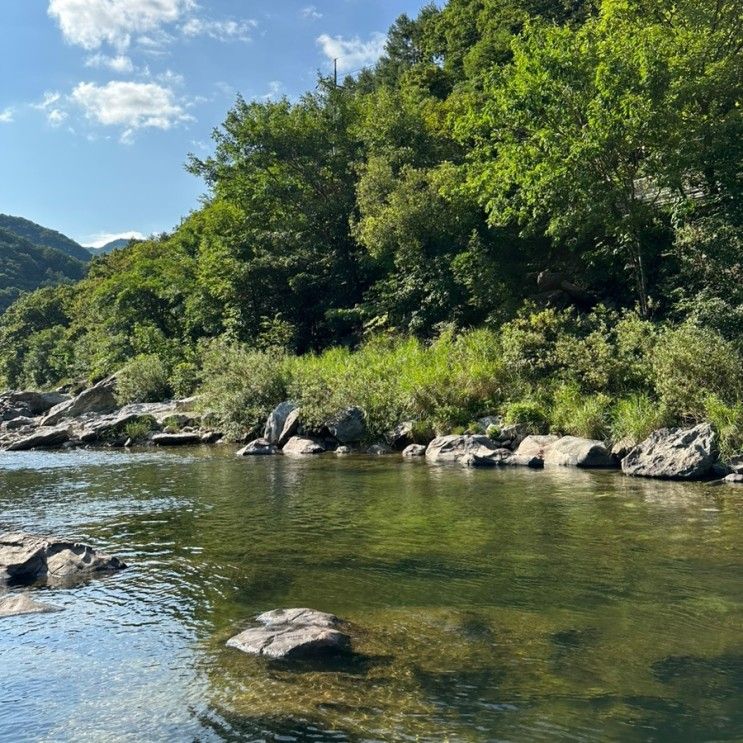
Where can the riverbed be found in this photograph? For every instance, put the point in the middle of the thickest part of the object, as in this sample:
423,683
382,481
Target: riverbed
486,605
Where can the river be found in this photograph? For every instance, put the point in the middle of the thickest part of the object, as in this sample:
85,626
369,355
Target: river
499,605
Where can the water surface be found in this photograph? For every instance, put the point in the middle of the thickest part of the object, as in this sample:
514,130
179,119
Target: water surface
487,605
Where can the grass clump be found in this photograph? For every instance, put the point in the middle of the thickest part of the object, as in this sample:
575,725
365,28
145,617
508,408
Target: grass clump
576,414
637,415
143,379
139,429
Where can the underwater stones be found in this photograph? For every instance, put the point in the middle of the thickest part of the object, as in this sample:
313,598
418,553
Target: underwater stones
674,454
258,448
301,447
27,558
287,634
379,450
13,605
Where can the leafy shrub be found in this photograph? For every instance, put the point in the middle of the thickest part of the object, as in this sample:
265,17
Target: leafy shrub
242,386
691,363
576,414
728,420
139,429
143,379
530,413
637,416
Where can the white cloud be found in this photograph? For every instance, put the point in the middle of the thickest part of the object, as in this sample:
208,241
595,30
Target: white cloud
130,105
103,238
311,12
219,30
52,106
120,63
92,23
56,116
7,116
275,89
355,53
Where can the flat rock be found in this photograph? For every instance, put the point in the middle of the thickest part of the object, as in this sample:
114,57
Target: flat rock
572,451
17,423
301,447
27,558
101,398
42,438
674,454
496,458
288,634
536,446
457,448
734,479
14,605
258,448
176,439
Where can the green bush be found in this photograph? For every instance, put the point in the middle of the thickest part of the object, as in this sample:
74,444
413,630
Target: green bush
576,414
242,386
690,363
637,416
139,429
530,413
728,420
143,379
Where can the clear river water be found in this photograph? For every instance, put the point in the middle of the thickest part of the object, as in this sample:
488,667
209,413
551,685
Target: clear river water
506,605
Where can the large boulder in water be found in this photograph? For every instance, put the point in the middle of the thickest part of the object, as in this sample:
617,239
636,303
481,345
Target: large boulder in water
674,454
287,634
349,426
277,420
42,438
177,439
535,447
16,604
459,448
572,451
100,398
258,448
27,558
301,447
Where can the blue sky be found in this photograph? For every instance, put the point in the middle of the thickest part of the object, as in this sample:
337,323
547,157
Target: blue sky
102,100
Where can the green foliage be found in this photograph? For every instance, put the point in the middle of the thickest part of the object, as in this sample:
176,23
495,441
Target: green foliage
143,379
689,364
576,414
637,416
527,412
728,420
138,430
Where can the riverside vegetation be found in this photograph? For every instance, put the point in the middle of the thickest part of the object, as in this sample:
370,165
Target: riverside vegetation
524,209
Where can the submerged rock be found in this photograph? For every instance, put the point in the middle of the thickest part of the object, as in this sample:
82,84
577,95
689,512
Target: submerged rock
258,448
14,605
301,447
343,450
277,420
27,558
457,448
42,438
292,634
379,450
674,454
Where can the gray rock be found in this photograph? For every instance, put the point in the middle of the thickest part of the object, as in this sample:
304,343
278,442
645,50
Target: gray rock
291,427
27,558
490,420
496,458
349,426
100,427
734,479
301,447
35,403
211,437
674,454
293,634
524,460
736,465
415,450
572,451
16,424
457,448
536,446
622,448
42,438
344,450
176,439
402,435
14,605
277,420
258,448
379,450
514,434
100,398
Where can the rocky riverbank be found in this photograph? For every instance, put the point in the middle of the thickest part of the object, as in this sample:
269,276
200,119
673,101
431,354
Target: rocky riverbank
41,420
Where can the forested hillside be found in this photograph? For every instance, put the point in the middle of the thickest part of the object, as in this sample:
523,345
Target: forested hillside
565,176
25,267
42,236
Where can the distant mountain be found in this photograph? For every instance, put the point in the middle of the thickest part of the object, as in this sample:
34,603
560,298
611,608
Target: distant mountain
25,267
41,236
110,247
